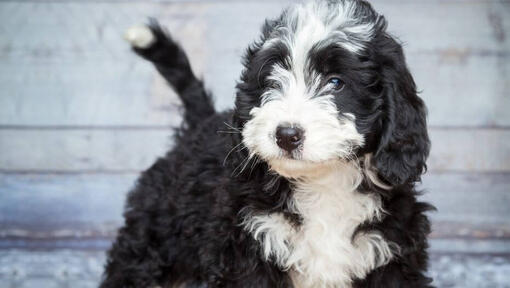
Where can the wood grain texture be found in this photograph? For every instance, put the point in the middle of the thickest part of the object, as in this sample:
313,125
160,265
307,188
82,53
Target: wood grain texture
468,197
133,149
81,115
62,206
83,269
71,58
82,150
483,150
90,205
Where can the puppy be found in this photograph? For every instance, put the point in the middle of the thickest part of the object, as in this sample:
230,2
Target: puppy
308,182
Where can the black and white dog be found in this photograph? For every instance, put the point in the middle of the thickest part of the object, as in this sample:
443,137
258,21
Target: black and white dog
308,182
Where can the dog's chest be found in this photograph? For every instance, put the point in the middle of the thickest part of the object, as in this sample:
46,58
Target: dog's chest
321,252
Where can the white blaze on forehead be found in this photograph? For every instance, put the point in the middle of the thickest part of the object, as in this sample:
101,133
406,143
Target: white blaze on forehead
307,25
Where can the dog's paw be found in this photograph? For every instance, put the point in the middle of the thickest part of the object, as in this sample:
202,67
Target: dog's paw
140,36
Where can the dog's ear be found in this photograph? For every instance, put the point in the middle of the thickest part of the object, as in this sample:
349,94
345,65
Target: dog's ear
250,87
248,92
404,144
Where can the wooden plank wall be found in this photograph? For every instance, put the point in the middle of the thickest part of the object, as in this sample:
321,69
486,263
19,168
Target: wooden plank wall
80,115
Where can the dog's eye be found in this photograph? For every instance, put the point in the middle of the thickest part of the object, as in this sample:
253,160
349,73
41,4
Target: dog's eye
336,83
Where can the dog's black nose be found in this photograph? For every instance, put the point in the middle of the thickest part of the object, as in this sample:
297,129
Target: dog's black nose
289,138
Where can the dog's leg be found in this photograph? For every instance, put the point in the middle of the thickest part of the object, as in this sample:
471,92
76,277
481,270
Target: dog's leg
408,267
132,263
155,45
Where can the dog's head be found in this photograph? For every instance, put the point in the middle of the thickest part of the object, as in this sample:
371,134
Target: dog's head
326,83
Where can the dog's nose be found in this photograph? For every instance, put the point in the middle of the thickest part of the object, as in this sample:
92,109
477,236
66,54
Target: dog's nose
289,138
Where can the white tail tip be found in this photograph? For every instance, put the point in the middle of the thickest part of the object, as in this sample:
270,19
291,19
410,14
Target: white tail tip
140,36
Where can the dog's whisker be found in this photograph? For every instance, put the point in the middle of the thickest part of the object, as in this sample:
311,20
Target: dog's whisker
244,164
238,166
232,150
228,132
231,127
247,158
254,163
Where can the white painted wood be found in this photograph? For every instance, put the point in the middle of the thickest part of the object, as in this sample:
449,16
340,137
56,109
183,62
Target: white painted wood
468,197
74,99
90,205
461,89
49,206
83,269
71,58
69,66
78,150
483,150
82,150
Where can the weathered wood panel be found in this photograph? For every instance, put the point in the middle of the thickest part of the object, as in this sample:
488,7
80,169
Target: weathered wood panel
83,94
75,99
90,205
70,66
72,60
461,89
82,150
135,149
83,269
483,150
468,197
440,25
46,206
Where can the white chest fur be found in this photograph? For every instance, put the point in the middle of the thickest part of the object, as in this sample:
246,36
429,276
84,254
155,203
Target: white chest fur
321,252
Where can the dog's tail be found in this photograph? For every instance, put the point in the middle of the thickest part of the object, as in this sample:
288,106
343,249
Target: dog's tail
154,44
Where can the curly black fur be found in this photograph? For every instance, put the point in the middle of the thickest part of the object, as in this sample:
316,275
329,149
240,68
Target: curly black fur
183,218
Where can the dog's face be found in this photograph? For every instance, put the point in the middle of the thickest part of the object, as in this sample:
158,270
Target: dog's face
322,86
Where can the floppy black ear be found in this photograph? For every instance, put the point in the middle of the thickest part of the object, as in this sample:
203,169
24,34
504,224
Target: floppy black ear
404,145
248,91
251,84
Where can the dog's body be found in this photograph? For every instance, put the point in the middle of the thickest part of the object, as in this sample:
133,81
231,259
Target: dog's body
309,182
